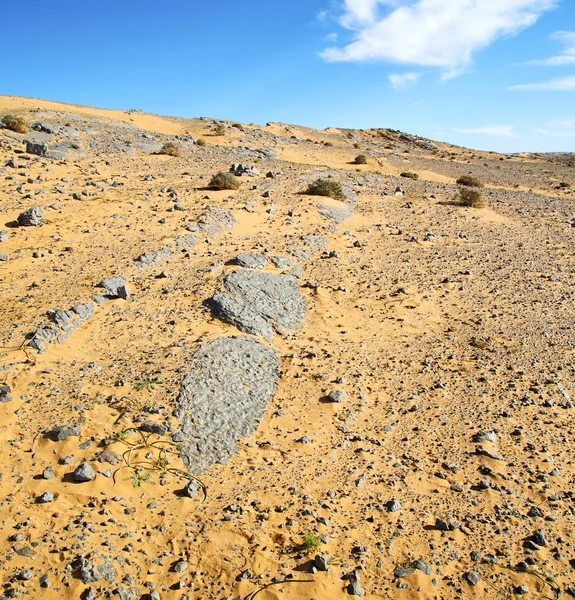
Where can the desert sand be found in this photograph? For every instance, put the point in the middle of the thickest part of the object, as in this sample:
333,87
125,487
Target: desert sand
447,469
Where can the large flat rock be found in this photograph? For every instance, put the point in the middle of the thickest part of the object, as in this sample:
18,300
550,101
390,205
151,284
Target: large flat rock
225,394
261,303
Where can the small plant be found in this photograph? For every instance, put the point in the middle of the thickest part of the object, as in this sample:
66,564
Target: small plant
224,181
75,146
238,126
171,149
310,544
357,146
201,142
360,159
564,185
409,175
17,124
149,384
139,476
471,197
328,144
221,129
325,187
470,181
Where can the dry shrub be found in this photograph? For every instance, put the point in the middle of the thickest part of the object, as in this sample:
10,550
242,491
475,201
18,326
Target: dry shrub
17,124
224,181
326,187
171,149
471,197
360,159
470,181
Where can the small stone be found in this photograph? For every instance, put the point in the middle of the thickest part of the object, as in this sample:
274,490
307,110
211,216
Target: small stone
321,562
520,590
354,589
116,287
31,217
63,432
393,505
337,395
83,473
192,488
181,566
485,436
5,393
45,498
473,577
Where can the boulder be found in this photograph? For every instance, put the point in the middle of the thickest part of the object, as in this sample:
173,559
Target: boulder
227,390
259,303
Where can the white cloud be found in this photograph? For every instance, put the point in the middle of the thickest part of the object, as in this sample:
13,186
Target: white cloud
498,130
559,128
403,80
563,84
567,57
436,33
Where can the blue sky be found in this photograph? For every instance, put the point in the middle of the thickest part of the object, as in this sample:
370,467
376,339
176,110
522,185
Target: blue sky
489,74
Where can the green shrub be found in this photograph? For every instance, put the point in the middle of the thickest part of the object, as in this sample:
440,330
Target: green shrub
360,159
310,544
564,185
325,187
471,197
17,124
221,129
470,181
201,142
171,149
410,175
224,181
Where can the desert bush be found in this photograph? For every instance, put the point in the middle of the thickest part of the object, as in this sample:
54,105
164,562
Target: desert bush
470,181
224,181
410,175
360,159
17,124
325,187
310,544
356,146
238,126
564,185
471,197
221,129
328,144
200,142
171,149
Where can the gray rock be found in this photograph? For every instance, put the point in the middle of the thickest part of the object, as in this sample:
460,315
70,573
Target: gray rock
45,498
240,169
259,303
473,577
4,235
321,562
83,473
116,287
63,432
181,566
393,506
91,570
421,565
354,589
192,488
252,261
31,217
226,392
337,395
282,262
37,148
485,436
153,259
5,390
216,220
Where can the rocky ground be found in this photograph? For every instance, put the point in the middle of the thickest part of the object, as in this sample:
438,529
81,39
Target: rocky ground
207,392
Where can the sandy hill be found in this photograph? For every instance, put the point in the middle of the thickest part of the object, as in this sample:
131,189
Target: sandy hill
216,394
